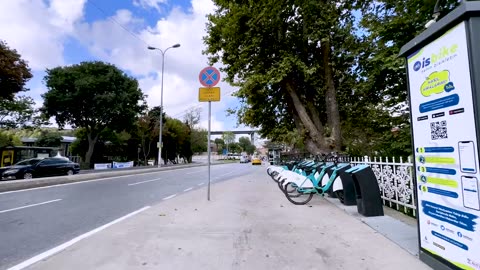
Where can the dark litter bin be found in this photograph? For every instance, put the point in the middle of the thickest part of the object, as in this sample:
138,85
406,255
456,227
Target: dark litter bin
348,196
369,201
342,167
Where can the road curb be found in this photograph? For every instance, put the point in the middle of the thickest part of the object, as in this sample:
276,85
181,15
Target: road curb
52,181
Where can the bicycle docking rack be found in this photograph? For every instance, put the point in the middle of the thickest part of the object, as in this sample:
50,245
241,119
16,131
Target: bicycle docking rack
340,168
349,195
369,201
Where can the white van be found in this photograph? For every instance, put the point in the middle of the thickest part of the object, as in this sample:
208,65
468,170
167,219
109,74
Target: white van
244,159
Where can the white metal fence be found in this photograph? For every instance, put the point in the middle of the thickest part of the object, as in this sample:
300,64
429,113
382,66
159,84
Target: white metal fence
394,179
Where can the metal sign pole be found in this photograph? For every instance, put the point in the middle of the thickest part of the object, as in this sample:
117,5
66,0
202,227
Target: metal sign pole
209,77
209,148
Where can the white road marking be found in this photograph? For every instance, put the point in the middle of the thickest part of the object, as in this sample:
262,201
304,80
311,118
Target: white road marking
27,206
169,197
147,181
200,184
188,189
65,245
96,180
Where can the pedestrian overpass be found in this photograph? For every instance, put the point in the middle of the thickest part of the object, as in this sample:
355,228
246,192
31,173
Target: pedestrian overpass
250,133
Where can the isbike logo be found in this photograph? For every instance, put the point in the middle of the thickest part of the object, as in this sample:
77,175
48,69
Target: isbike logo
426,62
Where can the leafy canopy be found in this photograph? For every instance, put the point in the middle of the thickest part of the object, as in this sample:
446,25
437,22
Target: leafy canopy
92,95
14,72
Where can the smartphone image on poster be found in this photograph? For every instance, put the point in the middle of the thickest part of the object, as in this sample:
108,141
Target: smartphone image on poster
468,161
471,197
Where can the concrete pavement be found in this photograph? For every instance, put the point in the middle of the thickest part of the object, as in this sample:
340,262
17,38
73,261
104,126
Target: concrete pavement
248,225
36,220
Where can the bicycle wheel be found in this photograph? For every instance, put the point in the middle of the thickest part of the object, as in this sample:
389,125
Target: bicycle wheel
296,197
291,189
280,184
340,195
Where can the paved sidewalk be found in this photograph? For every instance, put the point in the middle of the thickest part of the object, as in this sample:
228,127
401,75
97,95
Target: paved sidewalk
248,224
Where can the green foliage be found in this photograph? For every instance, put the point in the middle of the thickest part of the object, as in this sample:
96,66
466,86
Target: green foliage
9,139
176,140
49,139
17,112
274,50
234,148
93,96
246,145
199,140
219,143
14,72
147,133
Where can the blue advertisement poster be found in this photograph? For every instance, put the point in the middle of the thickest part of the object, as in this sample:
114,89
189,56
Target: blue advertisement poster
446,149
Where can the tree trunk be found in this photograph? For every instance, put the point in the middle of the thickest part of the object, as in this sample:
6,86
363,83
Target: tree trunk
146,152
316,142
333,114
315,116
91,146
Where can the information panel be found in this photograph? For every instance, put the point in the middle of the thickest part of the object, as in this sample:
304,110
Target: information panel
445,145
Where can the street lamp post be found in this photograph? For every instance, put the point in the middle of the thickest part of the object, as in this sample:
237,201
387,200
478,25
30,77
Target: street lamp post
161,101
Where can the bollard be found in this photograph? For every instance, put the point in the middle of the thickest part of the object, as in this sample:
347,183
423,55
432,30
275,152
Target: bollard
369,201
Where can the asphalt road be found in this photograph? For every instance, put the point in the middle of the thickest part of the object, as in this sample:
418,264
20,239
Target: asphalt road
36,220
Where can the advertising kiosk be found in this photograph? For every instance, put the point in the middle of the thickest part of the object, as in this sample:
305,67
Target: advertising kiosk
443,68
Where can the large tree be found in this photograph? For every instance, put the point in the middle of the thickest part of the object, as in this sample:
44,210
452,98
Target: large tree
192,117
94,96
147,133
14,72
176,141
290,60
383,127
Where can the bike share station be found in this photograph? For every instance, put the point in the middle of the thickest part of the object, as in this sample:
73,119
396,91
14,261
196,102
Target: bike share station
444,82
334,177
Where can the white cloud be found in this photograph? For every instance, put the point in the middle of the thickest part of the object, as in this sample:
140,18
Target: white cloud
149,3
38,29
112,43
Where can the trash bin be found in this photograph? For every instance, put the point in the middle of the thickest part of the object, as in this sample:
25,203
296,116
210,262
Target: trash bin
341,167
369,200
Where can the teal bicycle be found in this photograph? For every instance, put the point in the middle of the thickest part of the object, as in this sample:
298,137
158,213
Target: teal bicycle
317,171
300,194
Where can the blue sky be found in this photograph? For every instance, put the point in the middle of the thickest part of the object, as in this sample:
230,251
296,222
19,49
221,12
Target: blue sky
49,33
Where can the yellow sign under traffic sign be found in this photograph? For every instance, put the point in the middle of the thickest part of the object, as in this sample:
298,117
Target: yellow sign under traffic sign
208,94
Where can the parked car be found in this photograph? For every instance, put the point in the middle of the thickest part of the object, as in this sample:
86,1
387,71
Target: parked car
40,167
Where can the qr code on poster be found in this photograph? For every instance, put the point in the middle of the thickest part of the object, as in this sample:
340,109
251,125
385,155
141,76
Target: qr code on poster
438,130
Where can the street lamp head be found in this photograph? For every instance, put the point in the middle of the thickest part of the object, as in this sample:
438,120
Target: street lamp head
151,48
176,45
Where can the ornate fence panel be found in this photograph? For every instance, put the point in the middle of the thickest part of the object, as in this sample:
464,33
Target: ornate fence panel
395,181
